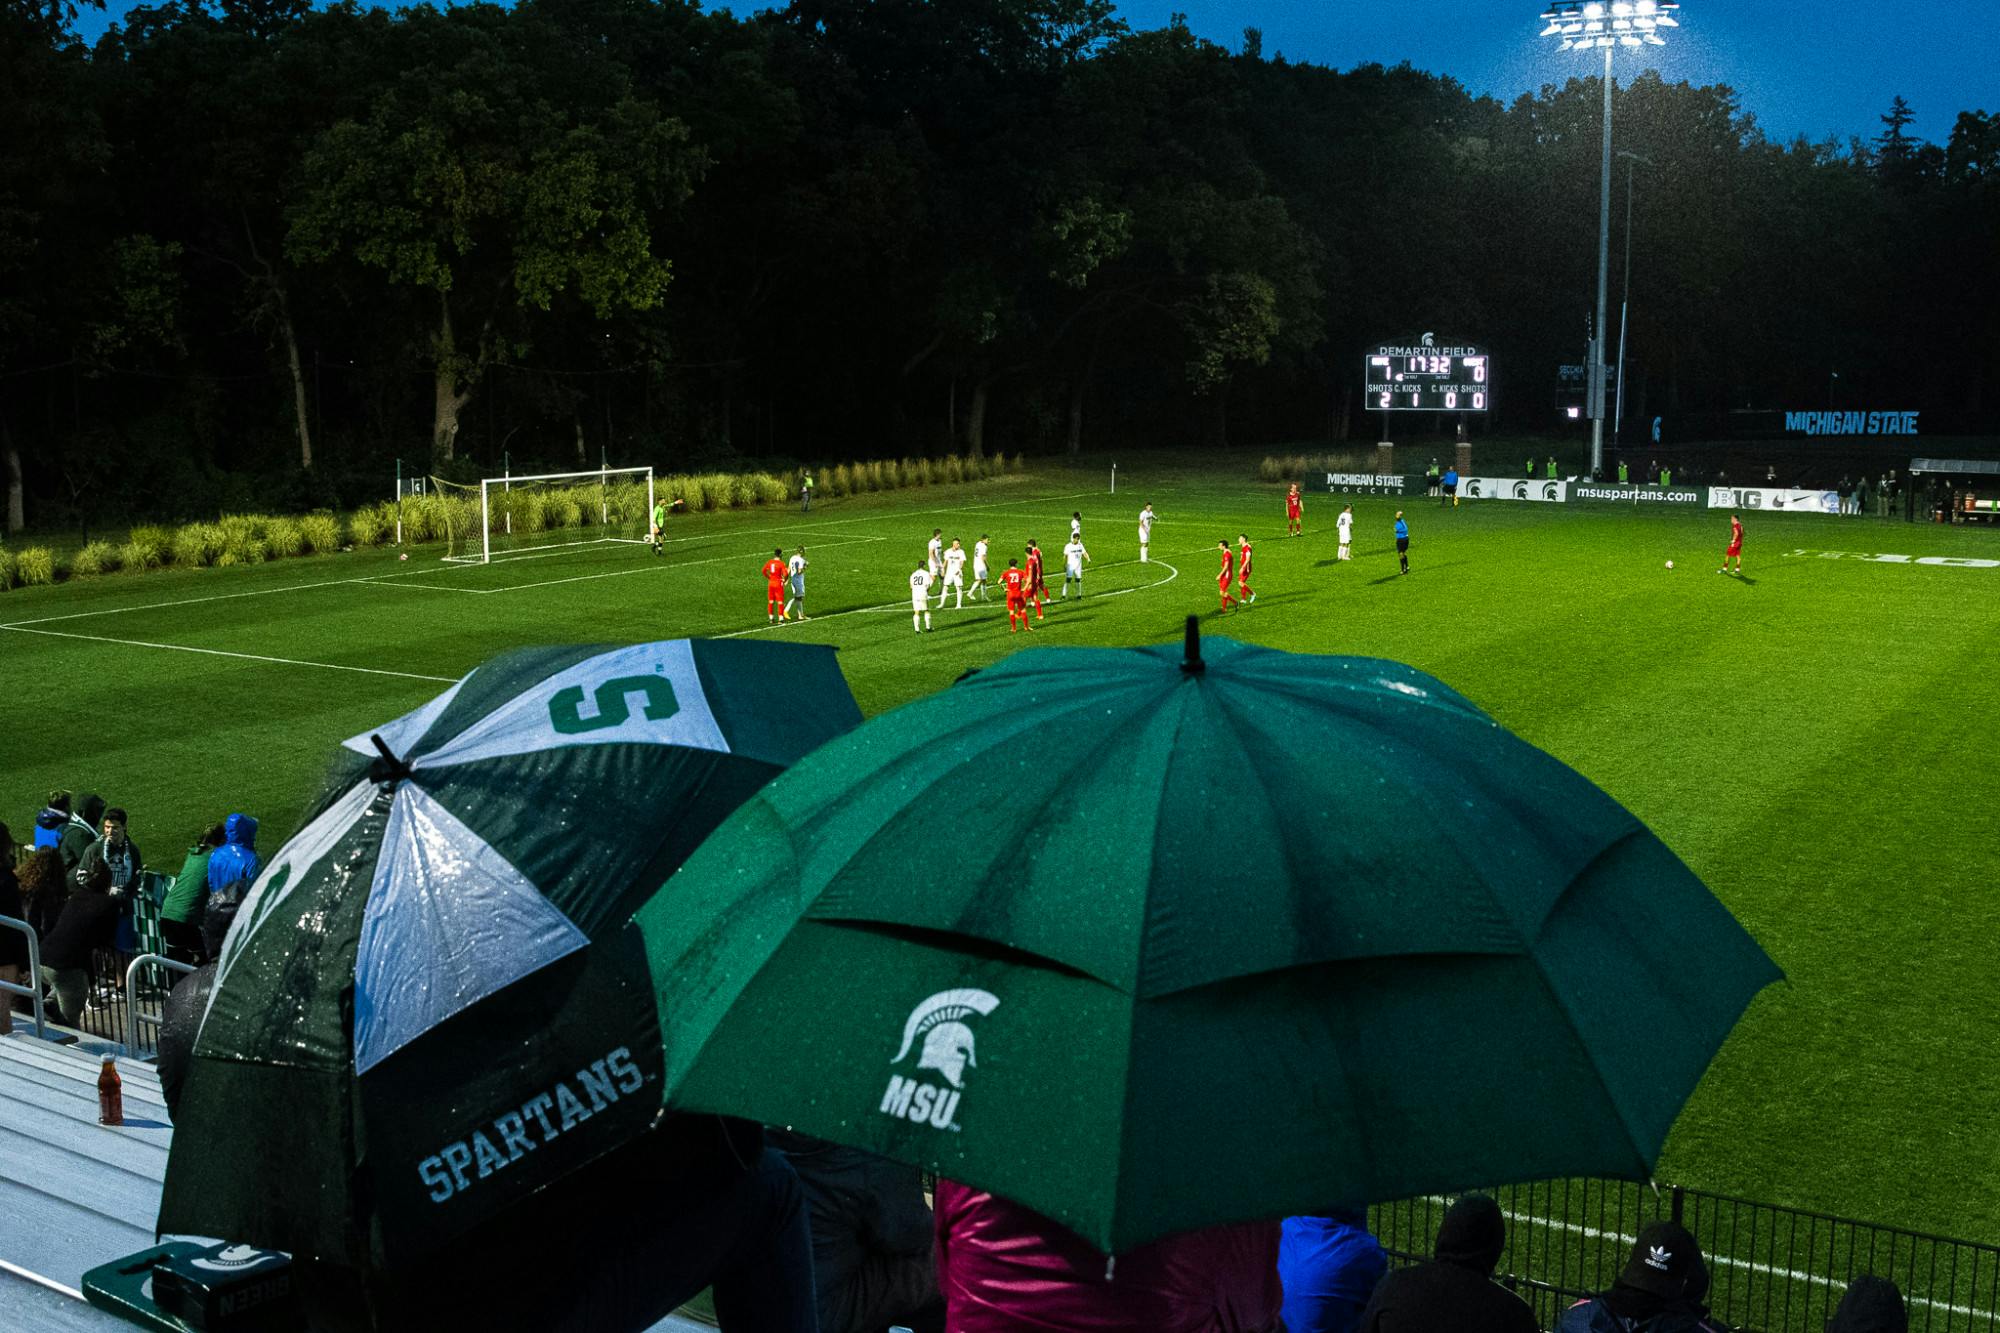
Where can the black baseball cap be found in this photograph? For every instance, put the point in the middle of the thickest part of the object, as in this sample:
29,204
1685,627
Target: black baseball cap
1663,1259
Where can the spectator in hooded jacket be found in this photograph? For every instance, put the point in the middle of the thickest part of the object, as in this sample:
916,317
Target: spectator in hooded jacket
1454,1292
871,1234
80,832
1660,1289
232,869
1330,1266
1005,1269
186,906
117,853
53,820
1871,1305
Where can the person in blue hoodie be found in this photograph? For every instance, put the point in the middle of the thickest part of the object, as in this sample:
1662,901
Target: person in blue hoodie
232,869
1329,1265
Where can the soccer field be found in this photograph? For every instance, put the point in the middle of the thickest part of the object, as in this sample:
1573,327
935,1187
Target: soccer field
1815,739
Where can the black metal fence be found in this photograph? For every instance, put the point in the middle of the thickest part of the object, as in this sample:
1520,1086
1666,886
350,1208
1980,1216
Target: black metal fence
1771,1269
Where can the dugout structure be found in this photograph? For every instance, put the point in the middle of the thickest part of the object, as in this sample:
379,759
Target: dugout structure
1954,490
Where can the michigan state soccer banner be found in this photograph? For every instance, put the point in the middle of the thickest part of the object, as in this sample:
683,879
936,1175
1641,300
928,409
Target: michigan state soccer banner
432,1001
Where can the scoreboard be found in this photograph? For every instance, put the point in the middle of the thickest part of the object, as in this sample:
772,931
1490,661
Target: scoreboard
1425,377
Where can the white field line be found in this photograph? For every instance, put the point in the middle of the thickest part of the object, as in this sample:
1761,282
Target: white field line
219,597
904,605
1593,1233
217,652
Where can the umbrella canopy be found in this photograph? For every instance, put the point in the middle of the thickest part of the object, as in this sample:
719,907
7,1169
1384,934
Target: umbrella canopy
1151,943
432,1001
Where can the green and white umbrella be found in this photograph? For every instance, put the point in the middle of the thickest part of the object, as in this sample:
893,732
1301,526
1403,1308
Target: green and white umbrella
1151,940
432,1001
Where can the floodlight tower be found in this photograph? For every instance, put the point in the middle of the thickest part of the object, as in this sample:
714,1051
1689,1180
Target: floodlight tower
1605,25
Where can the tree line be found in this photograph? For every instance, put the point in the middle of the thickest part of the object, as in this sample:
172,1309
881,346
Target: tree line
255,250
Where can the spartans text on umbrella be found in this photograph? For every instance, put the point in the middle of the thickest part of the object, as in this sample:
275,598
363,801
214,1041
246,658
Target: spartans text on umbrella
603,1080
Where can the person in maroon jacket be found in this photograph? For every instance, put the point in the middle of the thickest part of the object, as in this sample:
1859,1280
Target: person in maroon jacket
1007,1269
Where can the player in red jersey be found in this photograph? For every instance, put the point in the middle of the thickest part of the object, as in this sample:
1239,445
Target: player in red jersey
1015,580
1037,590
1222,580
774,594
1243,569
1295,508
1735,551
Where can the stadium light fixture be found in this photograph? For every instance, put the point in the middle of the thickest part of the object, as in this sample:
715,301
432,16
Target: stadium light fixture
1592,25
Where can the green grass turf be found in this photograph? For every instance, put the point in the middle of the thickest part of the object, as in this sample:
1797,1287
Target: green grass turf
1816,739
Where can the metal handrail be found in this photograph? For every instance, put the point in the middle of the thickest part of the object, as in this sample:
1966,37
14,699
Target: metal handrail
132,1015
33,990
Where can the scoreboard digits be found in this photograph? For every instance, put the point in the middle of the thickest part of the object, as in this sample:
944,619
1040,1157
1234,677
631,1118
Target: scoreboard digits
1428,378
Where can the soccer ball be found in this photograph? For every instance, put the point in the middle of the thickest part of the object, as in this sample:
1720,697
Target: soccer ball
406,555
1670,564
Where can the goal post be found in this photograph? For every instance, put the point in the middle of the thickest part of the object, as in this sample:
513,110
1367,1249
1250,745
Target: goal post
521,516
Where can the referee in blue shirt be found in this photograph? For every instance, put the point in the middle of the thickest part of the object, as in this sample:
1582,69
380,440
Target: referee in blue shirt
1402,541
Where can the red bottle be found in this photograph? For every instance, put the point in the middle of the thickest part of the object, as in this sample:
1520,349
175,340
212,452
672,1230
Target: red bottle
110,1095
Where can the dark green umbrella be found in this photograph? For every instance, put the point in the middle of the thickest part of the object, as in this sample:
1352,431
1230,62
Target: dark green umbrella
1149,943
432,1001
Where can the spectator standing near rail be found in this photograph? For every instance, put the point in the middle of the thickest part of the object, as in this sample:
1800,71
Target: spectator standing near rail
44,890
13,944
80,832
116,852
231,871
1329,1266
1455,1290
186,907
89,922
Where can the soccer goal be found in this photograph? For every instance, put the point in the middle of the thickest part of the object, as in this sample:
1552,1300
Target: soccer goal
518,517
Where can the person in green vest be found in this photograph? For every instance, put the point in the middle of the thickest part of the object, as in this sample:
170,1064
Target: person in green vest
1666,476
1531,469
1552,467
659,525
187,901
806,494
1623,475
1432,475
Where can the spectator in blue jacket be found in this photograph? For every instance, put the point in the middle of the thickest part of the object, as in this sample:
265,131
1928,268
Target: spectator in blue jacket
232,869
1329,1266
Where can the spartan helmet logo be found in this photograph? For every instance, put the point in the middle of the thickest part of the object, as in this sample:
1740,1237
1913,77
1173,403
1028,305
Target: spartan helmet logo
1430,340
948,1043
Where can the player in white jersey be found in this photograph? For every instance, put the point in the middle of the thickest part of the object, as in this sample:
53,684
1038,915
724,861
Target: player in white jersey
797,570
920,599
1346,525
1076,525
1073,557
954,575
1145,531
979,570
934,554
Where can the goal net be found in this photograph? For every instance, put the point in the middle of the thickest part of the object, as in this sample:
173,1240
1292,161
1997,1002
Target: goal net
507,518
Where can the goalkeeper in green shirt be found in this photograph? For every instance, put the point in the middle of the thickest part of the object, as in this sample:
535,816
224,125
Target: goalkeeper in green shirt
659,525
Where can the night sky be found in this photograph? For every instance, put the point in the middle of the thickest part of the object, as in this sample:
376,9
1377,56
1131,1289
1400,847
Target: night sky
1827,68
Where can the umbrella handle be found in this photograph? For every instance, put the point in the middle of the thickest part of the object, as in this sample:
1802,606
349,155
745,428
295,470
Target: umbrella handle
1192,663
388,768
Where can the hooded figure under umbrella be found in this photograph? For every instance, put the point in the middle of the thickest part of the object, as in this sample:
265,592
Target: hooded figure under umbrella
1455,1289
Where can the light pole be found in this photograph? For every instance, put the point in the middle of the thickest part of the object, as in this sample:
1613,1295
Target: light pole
1625,295
1592,25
